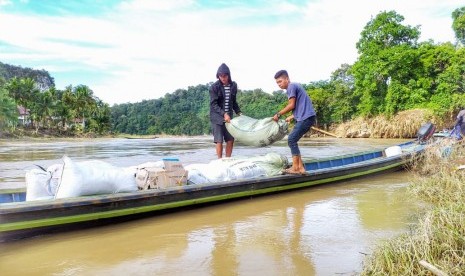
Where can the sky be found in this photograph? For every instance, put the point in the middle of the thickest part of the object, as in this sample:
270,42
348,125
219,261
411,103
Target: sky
134,50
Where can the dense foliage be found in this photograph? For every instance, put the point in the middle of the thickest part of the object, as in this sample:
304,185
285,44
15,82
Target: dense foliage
186,111
394,72
75,109
458,24
8,113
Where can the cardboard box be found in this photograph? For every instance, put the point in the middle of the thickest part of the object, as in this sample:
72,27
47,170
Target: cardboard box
167,179
175,174
172,175
172,165
146,178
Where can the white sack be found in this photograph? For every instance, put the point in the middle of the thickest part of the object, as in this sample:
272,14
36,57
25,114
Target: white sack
245,169
225,169
258,133
55,170
196,177
38,185
273,163
93,178
212,172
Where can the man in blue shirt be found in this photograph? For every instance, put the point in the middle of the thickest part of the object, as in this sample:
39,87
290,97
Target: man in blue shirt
302,111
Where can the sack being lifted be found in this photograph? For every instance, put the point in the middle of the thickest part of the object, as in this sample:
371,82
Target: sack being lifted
258,133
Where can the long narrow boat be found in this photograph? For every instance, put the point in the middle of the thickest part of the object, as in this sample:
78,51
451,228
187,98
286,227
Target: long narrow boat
20,219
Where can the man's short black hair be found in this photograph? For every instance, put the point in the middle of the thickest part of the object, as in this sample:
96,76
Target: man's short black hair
281,73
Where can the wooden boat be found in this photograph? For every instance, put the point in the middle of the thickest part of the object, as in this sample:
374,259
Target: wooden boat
19,219
141,137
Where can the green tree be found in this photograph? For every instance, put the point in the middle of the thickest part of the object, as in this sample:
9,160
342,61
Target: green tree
8,111
258,104
46,104
84,102
458,24
65,106
386,52
99,121
342,89
23,91
26,93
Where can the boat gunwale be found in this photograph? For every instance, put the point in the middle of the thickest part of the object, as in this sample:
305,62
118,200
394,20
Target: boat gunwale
113,214
145,202
141,194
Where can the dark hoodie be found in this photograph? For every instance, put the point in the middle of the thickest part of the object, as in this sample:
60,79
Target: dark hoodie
224,69
217,97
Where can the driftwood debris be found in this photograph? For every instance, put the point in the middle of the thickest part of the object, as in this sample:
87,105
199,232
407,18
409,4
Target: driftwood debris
436,271
325,132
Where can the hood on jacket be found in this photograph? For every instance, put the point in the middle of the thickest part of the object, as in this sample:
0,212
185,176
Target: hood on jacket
224,69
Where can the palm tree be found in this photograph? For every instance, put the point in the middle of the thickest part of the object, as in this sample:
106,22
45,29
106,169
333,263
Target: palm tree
8,111
85,103
65,107
46,105
101,117
25,92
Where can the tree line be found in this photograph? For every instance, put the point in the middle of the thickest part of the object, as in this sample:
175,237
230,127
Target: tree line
186,111
393,72
74,110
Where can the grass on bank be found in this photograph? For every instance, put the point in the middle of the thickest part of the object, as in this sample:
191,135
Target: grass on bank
404,124
436,246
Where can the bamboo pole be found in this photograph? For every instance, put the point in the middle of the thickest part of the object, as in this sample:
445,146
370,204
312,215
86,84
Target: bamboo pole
325,132
432,268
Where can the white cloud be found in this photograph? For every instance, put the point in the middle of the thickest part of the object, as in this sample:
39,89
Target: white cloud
150,48
5,2
150,5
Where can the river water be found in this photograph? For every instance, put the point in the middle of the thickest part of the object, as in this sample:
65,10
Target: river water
322,230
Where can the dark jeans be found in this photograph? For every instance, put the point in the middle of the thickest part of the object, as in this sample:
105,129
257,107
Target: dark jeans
299,130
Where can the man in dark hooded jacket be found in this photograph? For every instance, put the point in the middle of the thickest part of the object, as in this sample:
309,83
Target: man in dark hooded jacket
222,105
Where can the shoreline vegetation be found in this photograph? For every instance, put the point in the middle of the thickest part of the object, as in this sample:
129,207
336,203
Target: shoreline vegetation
403,125
26,133
21,134
436,245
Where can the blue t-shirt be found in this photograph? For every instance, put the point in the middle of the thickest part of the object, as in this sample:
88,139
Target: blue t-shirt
303,104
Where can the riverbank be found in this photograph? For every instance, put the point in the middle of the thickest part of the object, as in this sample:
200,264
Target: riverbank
43,133
436,246
24,133
403,125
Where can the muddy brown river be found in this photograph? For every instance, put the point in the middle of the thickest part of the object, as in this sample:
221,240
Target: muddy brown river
322,230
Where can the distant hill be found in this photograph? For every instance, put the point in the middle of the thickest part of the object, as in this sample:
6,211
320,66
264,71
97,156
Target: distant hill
42,77
186,111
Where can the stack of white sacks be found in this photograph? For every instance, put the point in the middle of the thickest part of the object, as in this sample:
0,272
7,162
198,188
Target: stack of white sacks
236,168
94,177
72,179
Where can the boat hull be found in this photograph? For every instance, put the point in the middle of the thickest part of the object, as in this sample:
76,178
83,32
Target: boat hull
24,219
